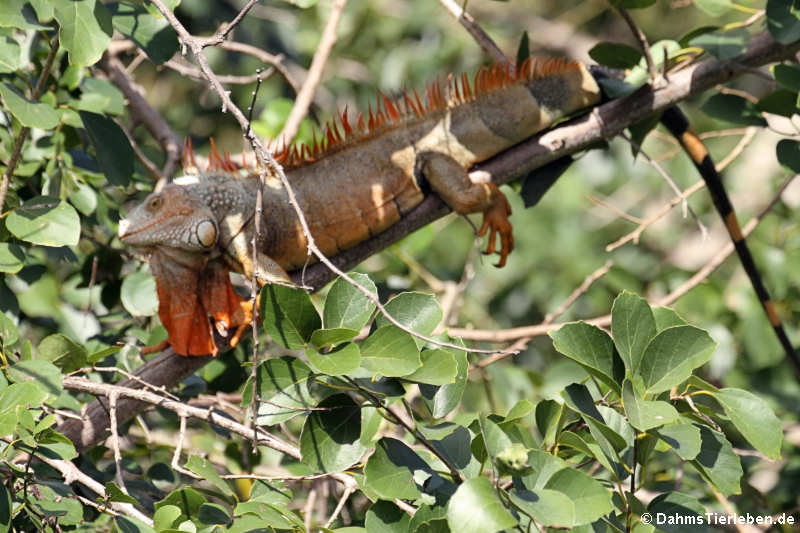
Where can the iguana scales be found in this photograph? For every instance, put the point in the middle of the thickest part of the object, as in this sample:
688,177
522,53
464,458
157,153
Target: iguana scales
366,178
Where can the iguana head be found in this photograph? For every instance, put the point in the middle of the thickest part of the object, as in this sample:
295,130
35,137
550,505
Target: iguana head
173,218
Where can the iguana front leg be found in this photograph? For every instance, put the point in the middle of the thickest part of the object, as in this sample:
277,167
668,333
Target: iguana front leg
453,184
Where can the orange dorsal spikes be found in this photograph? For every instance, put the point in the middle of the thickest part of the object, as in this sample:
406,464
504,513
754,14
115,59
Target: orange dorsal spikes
392,112
348,130
188,162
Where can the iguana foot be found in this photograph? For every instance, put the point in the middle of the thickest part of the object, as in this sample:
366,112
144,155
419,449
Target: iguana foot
242,318
496,223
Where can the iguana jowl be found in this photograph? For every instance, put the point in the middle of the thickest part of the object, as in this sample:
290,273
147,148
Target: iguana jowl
369,175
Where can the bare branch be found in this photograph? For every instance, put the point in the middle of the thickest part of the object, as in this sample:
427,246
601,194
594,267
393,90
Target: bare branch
141,110
480,36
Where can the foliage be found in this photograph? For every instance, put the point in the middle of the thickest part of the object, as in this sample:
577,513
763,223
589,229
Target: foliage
586,430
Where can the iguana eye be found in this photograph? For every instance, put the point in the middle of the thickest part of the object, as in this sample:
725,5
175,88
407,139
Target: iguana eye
206,233
155,203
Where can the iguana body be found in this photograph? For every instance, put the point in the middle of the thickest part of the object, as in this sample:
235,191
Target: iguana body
366,179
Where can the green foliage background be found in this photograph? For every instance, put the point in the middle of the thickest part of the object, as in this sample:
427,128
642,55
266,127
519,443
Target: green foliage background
523,432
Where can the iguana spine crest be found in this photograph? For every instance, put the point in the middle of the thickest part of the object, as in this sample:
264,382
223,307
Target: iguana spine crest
390,113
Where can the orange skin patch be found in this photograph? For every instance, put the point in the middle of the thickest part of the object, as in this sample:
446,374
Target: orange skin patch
189,296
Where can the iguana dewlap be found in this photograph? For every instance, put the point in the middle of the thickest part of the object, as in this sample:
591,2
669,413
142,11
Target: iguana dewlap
366,178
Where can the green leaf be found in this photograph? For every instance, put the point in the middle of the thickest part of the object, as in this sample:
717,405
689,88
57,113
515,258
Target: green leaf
46,221
9,334
324,338
590,498
330,440
186,499
283,390
12,257
138,294
390,470
754,419
494,438
682,437
341,360
289,316
125,524
84,30
547,507
10,59
788,152
165,517
672,355
523,49
782,21
346,306
675,504
718,463
788,76
417,311
152,34
667,318
475,508
114,153
386,517
443,399
538,181
591,348
115,494
548,420
31,114
439,367
18,14
213,513
723,44
735,109
101,96
205,469
632,327
780,102
63,352
615,55
646,414
390,352
715,8
43,374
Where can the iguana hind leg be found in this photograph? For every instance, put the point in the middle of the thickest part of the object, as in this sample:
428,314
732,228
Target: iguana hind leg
453,184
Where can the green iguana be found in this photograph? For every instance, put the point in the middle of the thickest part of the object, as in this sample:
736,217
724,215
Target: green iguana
365,178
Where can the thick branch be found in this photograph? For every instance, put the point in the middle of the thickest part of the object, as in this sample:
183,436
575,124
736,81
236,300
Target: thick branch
604,122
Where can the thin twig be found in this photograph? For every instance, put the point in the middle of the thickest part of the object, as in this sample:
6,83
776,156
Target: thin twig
522,342
605,320
226,29
480,36
339,506
112,407
670,182
303,100
641,38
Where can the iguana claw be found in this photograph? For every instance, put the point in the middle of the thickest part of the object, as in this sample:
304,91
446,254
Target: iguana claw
495,222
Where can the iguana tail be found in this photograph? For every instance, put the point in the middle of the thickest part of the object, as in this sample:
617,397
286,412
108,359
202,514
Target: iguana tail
677,123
